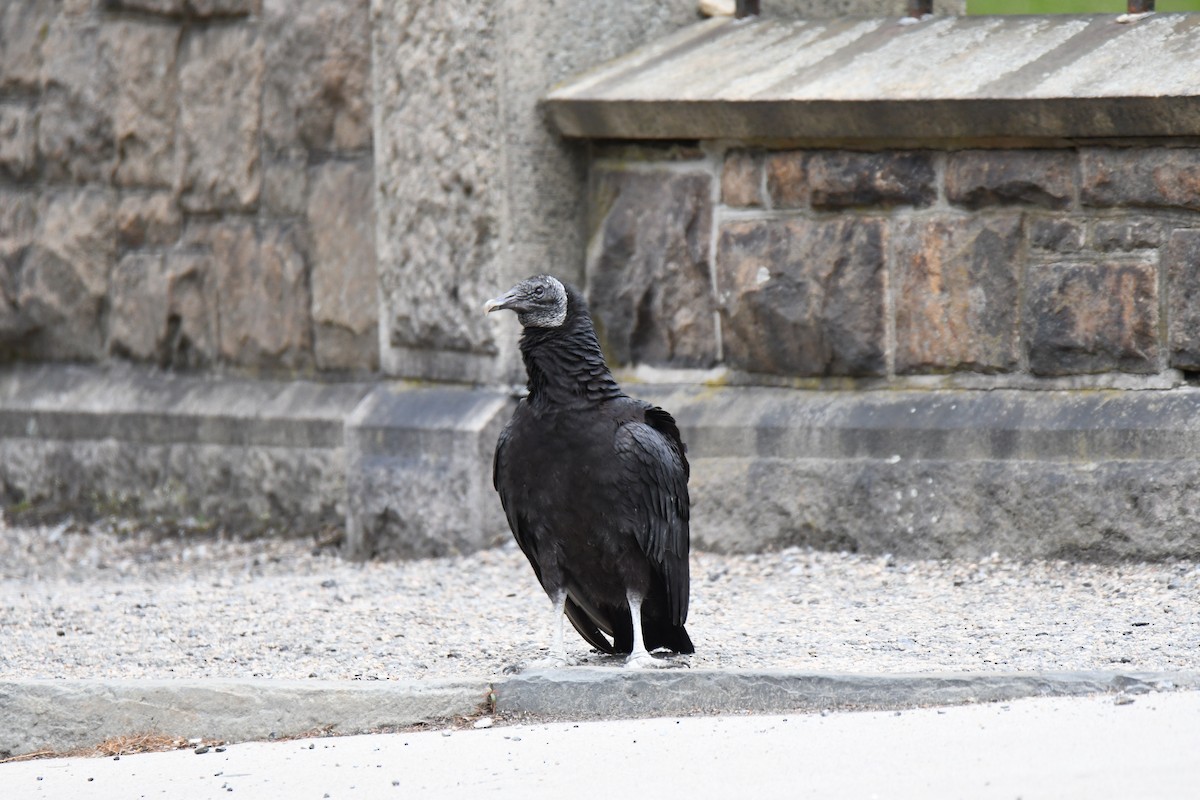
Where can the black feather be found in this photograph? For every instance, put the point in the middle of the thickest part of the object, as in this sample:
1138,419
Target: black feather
594,485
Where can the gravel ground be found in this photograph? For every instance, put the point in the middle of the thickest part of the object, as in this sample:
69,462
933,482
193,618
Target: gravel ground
119,602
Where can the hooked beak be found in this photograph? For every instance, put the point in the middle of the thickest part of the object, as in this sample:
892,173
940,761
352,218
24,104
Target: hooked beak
500,303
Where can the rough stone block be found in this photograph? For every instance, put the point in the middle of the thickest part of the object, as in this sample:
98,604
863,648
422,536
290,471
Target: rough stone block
741,179
64,281
317,88
345,288
979,178
76,137
162,311
1155,177
803,297
649,281
1127,234
419,472
956,292
18,227
1097,317
138,298
844,179
23,27
1056,234
787,179
220,82
148,219
146,102
192,339
18,140
285,186
262,291
441,198
1181,260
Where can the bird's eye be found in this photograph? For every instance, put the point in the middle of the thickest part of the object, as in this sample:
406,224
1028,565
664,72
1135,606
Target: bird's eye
538,291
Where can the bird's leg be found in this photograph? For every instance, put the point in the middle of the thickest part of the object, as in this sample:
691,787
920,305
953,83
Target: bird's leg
558,650
639,658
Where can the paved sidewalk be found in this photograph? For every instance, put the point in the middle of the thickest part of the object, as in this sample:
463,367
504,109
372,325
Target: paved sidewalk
1059,748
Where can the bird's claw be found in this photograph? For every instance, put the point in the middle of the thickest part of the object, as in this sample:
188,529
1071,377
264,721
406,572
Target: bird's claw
644,661
549,662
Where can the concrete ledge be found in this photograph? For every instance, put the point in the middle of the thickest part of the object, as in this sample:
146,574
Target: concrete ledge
420,472
64,715
258,455
1095,474
592,693
50,715
846,79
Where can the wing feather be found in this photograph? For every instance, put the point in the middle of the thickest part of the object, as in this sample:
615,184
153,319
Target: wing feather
654,474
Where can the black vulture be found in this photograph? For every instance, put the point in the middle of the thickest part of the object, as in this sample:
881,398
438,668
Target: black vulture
594,485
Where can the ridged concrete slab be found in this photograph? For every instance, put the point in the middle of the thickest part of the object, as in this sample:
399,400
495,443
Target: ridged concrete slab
57,716
949,77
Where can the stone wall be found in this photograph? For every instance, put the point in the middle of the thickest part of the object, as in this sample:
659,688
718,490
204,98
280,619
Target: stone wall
1015,265
187,183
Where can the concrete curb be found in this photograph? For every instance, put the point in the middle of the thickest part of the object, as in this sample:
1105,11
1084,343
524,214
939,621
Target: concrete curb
53,715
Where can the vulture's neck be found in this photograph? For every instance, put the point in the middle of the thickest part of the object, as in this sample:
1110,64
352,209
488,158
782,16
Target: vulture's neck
565,366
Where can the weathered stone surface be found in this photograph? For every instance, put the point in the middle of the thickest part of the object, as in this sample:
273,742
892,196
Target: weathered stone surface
649,277
137,323
18,226
1181,260
285,186
1127,234
419,472
192,323
148,219
1092,318
316,92
257,456
741,179
345,288
162,310
956,292
440,197
64,280
18,140
1056,234
172,8
220,81
75,131
843,179
23,27
1156,177
224,8
803,297
787,179
1087,475
147,101
262,292
978,178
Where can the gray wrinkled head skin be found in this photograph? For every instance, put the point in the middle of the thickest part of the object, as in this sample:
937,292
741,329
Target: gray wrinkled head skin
539,302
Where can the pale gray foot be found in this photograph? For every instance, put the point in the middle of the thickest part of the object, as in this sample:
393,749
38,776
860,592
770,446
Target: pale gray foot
639,658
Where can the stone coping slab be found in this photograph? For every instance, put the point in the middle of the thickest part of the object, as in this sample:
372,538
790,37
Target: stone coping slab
766,79
57,716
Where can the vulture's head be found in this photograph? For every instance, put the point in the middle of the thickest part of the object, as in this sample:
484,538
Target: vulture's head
540,302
